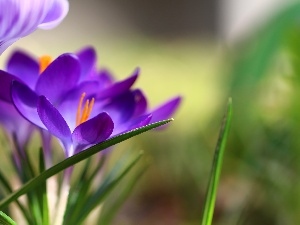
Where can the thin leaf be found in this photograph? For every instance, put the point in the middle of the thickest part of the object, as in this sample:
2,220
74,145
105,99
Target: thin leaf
6,220
34,200
43,191
216,168
79,192
34,205
110,208
8,188
75,159
109,182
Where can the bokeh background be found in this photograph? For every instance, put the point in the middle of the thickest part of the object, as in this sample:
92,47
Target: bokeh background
205,51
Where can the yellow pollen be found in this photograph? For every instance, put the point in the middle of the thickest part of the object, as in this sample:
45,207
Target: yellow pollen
82,116
44,62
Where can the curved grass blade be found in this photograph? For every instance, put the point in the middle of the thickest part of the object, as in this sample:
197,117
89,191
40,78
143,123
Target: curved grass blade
75,159
6,220
111,207
216,168
79,192
42,191
4,182
109,183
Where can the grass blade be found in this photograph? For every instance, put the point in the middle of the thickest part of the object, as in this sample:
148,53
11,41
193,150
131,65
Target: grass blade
111,207
80,191
216,168
8,188
108,184
43,191
6,220
75,159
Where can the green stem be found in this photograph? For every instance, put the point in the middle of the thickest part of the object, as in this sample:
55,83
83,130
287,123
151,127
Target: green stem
216,168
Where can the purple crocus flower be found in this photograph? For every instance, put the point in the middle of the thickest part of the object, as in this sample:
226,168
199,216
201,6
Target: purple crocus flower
27,69
18,18
74,102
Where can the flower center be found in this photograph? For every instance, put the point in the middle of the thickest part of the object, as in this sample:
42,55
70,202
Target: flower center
84,112
45,61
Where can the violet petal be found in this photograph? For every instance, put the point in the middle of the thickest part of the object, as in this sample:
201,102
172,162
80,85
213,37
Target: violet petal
132,124
53,120
25,101
140,103
105,78
59,77
4,44
166,110
19,18
87,58
14,123
55,14
6,81
23,66
119,87
9,116
93,131
121,108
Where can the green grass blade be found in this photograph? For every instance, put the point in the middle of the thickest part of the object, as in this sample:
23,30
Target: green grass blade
216,168
6,220
109,183
75,159
8,188
80,191
43,191
111,207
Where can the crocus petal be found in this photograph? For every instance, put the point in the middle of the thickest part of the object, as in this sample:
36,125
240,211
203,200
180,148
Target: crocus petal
9,116
93,131
121,108
25,101
19,18
59,77
55,15
132,124
53,121
14,123
166,110
4,44
105,78
87,58
5,81
119,87
140,103
23,66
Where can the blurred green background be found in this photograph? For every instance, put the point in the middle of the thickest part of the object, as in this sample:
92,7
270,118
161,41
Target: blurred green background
205,51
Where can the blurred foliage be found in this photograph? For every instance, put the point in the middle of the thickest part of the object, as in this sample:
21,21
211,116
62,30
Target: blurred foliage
260,178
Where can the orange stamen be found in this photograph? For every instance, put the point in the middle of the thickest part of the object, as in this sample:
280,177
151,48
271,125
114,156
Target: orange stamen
90,108
78,114
44,62
86,111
